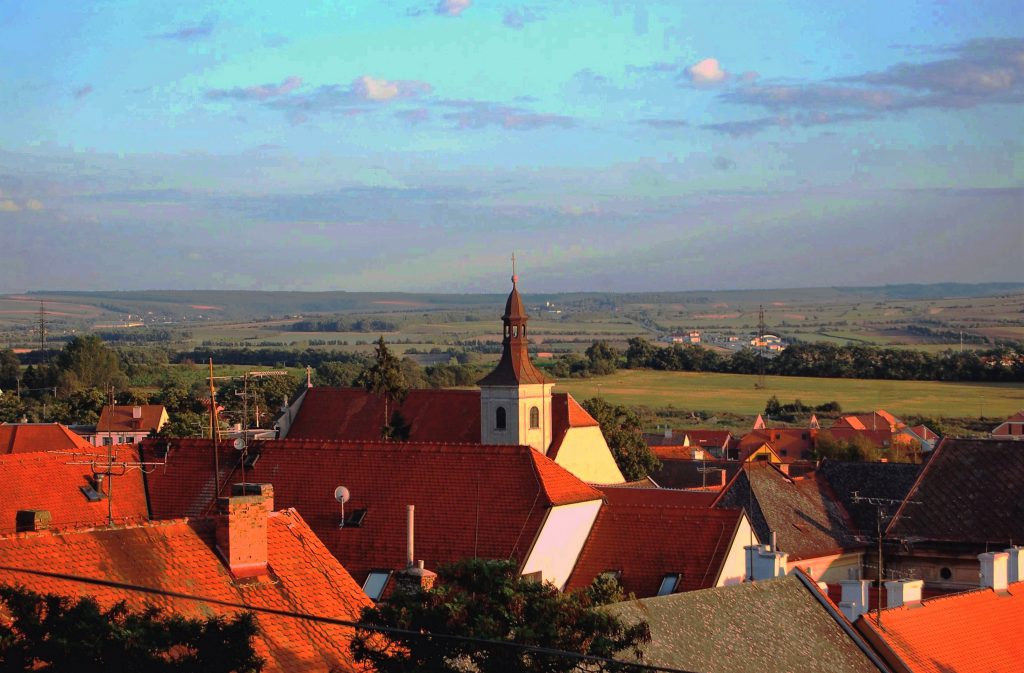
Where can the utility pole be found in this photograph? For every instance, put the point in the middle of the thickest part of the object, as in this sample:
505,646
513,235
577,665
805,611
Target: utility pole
880,505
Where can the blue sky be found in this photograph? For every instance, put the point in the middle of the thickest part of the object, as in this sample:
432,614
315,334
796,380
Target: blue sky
407,146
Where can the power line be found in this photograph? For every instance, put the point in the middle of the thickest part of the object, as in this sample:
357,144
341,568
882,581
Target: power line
387,630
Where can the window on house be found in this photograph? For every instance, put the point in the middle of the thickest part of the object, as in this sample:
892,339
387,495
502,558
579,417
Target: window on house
499,419
375,583
129,440
534,417
668,584
107,441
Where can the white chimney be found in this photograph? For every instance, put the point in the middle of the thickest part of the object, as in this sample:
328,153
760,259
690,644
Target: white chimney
1015,565
136,411
763,563
993,569
668,432
855,599
409,521
903,592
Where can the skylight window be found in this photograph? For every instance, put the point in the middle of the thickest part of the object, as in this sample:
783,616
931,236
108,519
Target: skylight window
354,518
668,584
375,583
91,494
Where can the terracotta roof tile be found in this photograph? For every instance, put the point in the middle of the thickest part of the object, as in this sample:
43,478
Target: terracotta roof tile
29,437
648,533
973,632
693,473
788,443
471,500
179,556
121,418
50,481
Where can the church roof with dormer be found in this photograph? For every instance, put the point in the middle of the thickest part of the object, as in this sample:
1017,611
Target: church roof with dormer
515,367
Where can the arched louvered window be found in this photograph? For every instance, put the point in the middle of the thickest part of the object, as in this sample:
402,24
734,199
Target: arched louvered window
499,418
534,417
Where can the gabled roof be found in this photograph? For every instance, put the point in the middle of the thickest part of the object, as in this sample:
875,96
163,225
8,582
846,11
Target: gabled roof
29,437
788,443
354,414
52,482
566,413
122,418
876,420
781,624
470,499
676,452
890,481
708,439
973,632
804,513
179,556
648,533
693,473
969,492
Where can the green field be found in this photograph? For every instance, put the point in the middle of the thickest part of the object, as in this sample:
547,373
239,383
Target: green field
736,393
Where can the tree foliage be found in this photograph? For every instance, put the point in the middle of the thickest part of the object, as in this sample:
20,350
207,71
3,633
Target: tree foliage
489,600
57,633
621,428
385,377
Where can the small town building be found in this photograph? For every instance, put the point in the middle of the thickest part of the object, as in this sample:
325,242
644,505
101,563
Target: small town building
32,437
127,424
1011,428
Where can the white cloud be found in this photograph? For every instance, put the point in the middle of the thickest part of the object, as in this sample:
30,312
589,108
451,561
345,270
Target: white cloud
372,88
8,206
706,72
34,204
452,7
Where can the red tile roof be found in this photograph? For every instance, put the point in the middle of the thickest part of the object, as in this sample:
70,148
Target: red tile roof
649,533
973,632
677,452
29,437
50,481
121,418
709,439
471,500
877,420
179,556
354,414
788,443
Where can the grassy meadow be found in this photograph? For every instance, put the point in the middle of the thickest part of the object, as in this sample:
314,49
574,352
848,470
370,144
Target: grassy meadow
735,393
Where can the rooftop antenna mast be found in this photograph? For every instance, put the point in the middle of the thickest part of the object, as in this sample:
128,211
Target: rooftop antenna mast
880,505
242,444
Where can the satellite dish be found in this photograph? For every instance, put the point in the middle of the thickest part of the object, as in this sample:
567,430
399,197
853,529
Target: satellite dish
341,494
239,444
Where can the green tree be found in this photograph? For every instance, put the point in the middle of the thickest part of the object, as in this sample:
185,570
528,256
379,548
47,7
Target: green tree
773,408
338,374
385,377
639,353
603,358
490,600
56,633
10,370
621,428
86,362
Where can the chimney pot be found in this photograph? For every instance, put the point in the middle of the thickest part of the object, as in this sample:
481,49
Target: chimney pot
32,519
855,600
1015,565
242,531
764,564
903,592
994,570
668,433
266,491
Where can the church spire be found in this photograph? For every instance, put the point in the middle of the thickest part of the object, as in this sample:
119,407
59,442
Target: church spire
515,367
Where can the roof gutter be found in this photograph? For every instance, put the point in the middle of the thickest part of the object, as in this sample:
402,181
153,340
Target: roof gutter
844,624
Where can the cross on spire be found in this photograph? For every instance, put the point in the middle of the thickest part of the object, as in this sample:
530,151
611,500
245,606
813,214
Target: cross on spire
515,278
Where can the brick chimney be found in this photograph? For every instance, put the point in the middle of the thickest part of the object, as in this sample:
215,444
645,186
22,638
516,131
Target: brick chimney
32,519
903,592
1015,564
994,570
855,599
242,529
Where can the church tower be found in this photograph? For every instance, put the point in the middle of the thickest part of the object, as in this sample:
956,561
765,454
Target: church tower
515,398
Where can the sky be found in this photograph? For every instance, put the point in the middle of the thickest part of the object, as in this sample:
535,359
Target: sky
413,146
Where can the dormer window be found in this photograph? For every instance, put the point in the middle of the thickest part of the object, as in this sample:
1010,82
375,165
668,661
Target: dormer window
534,418
500,421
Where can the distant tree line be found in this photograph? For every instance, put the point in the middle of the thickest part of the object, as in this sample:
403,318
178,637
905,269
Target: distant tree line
832,361
342,325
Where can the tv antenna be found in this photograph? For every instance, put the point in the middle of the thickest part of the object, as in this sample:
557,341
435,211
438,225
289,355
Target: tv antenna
246,396
342,495
880,505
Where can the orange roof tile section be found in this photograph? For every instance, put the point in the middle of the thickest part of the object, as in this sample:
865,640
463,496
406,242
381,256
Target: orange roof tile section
646,534
29,437
354,414
470,499
52,481
179,556
122,418
973,632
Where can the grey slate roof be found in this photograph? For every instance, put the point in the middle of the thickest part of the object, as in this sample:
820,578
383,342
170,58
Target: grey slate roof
804,513
891,481
755,627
